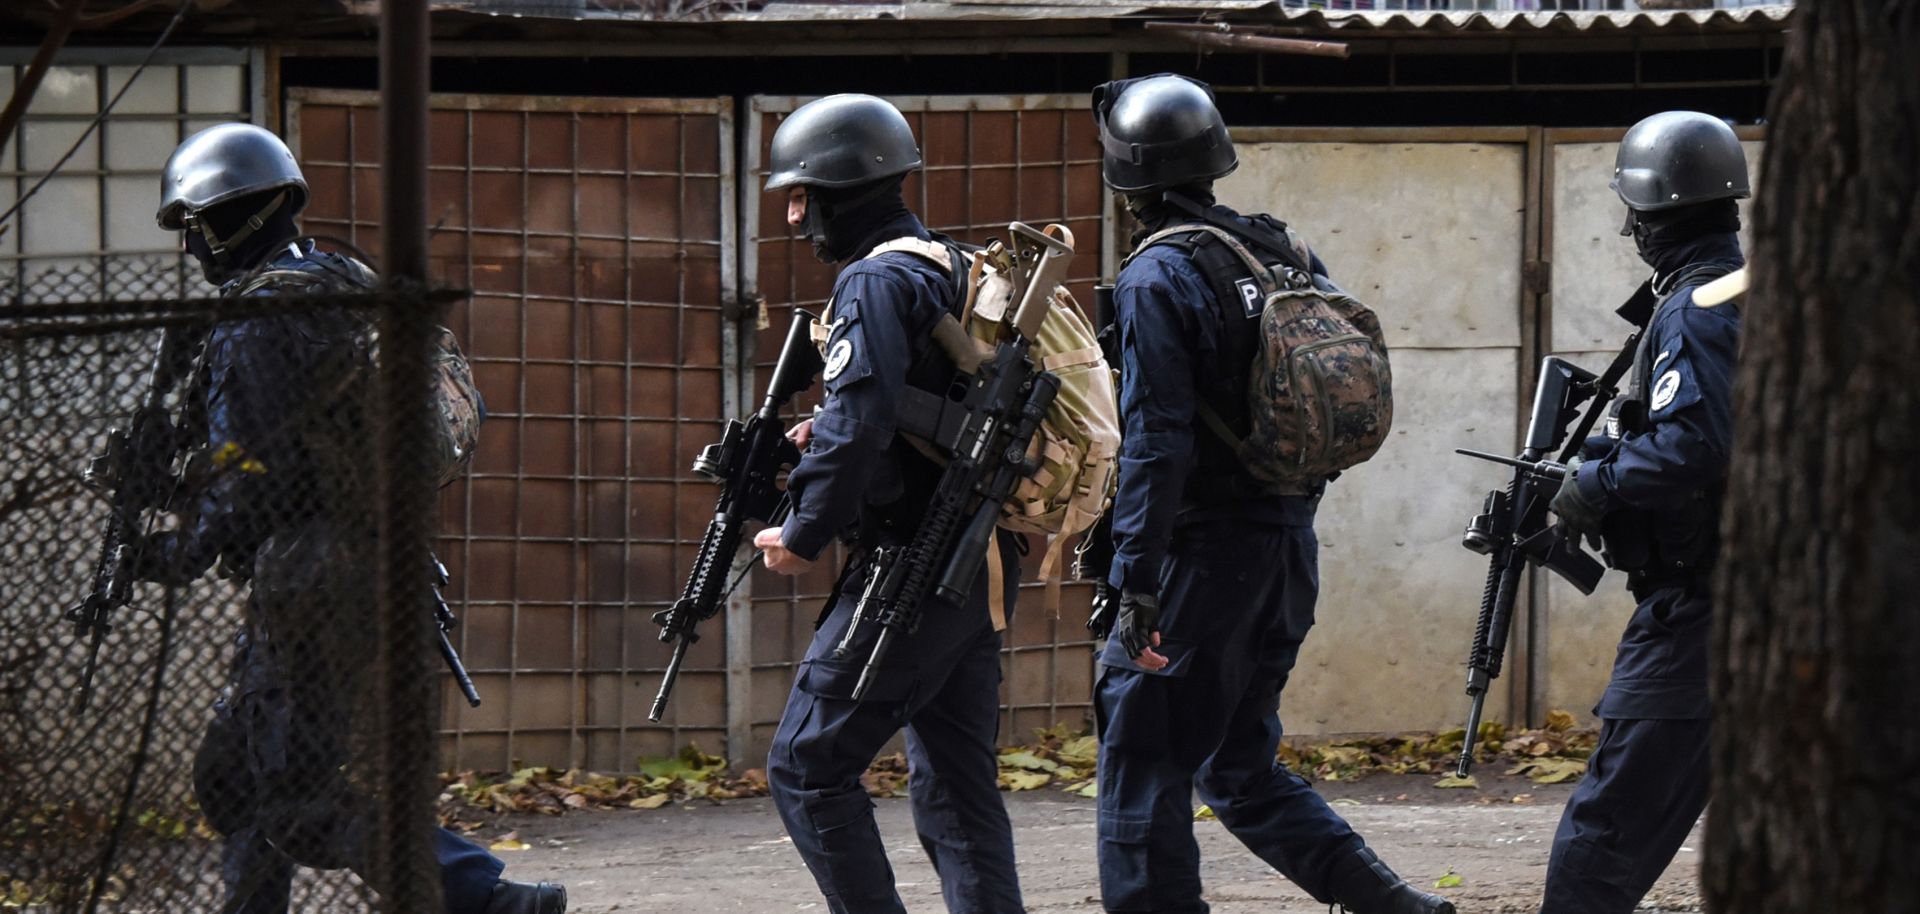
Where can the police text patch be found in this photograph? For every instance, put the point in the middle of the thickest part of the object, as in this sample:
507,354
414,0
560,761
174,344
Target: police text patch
837,359
1665,388
1250,299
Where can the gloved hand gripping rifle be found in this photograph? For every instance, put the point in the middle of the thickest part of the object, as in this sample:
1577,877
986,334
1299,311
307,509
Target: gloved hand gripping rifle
1512,529
746,462
139,472
985,429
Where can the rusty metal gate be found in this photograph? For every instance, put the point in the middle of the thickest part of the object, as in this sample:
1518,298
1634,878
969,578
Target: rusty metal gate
599,237
989,160
595,236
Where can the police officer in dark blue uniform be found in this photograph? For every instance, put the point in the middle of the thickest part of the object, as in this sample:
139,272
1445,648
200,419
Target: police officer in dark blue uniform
286,505
1652,491
1217,571
841,160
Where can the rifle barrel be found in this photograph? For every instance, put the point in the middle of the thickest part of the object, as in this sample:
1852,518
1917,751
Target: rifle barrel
459,670
1473,732
666,682
1547,468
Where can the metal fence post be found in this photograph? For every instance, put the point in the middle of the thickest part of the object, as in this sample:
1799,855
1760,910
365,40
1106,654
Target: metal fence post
403,860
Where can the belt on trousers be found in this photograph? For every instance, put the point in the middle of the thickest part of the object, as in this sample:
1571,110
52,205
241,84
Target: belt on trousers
1644,583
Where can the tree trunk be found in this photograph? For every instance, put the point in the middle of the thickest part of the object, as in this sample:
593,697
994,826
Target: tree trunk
1816,756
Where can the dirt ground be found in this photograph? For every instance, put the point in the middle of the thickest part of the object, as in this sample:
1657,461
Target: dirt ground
734,856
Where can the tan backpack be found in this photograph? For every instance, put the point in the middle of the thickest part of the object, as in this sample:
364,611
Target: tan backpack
1078,444
1320,390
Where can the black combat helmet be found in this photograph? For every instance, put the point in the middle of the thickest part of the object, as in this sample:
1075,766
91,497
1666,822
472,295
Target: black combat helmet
841,141
1679,158
1160,131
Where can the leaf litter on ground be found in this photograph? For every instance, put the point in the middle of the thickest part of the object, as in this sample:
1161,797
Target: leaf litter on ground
1060,757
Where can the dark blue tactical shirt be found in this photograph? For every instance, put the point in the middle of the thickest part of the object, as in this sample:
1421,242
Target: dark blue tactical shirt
280,426
1174,338
1666,476
855,471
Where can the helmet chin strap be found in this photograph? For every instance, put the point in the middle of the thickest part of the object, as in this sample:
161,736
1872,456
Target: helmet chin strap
222,248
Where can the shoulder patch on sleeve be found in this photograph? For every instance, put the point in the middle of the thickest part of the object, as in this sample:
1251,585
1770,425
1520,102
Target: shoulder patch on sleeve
1675,381
838,357
1665,389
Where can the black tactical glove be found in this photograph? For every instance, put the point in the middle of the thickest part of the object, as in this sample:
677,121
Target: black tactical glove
1578,517
1139,621
1105,605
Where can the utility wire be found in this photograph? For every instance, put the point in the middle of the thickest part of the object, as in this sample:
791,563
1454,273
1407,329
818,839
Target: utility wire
7,217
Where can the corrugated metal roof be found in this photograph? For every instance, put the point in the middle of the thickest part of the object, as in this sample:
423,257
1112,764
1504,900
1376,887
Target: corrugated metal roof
1752,18
1772,17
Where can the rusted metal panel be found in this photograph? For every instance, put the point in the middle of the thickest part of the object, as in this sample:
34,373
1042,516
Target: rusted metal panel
592,232
989,160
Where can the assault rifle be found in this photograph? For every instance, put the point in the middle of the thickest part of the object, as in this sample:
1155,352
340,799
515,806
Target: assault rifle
746,462
443,624
139,472
1093,560
984,428
1512,529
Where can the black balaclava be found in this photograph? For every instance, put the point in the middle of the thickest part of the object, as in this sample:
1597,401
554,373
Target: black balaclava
1670,239
227,219
1154,213
842,221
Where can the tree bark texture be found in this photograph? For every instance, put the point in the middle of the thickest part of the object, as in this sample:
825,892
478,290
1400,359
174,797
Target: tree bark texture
1816,755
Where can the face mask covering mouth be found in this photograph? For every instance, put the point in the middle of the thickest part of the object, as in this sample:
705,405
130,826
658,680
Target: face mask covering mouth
839,219
815,227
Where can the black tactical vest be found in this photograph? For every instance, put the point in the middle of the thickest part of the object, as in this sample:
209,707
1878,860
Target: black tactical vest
1680,540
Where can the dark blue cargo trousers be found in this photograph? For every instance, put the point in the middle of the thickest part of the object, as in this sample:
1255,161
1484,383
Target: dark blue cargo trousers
1647,781
1236,600
942,685
269,771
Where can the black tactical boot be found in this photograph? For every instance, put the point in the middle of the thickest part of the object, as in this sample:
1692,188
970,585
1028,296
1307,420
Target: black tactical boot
1364,885
532,898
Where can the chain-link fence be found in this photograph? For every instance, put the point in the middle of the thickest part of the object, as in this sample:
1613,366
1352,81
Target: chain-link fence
216,604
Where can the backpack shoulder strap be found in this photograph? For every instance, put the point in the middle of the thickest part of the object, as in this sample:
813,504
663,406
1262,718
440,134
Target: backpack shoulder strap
1263,274
933,251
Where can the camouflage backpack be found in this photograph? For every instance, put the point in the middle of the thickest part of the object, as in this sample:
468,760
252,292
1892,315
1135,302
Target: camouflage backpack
456,404
1320,391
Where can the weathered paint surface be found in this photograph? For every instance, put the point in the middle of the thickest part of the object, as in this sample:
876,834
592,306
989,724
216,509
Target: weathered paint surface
1429,235
1399,595
1594,269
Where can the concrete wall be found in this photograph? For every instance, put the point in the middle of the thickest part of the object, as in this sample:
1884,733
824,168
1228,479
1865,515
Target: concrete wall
1431,236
